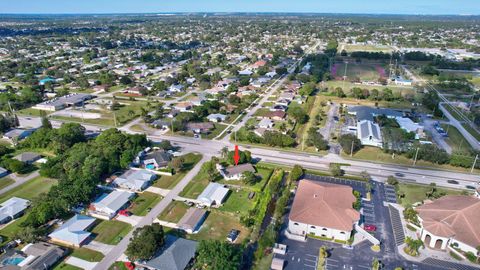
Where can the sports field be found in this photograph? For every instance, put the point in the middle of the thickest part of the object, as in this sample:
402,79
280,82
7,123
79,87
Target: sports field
362,72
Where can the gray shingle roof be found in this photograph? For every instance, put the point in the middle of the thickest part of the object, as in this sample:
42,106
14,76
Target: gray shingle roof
175,254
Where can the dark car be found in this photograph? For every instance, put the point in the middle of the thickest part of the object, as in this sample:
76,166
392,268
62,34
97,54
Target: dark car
399,174
470,187
232,235
452,182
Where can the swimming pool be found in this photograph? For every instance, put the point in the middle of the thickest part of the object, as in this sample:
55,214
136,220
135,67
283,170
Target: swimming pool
13,261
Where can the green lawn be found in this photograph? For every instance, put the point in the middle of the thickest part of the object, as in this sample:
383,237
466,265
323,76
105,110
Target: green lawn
456,140
111,231
118,266
174,212
87,254
9,231
237,202
472,131
377,155
366,48
263,173
216,131
144,201
5,182
169,182
196,186
366,72
416,193
64,266
217,226
30,189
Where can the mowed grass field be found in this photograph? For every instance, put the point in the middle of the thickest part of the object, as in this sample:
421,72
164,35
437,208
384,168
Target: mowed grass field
30,189
87,254
456,140
366,72
365,48
417,193
174,212
143,202
111,231
169,182
217,226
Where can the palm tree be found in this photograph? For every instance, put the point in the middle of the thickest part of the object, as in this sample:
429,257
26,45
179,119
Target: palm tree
224,152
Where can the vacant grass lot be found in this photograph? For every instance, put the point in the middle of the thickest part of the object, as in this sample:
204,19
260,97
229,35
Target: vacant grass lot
111,231
365,72
366,48
217,226
64,266
416,193
174,212
144,201
196,186
87,254
169,182
5,182
456,140
30,189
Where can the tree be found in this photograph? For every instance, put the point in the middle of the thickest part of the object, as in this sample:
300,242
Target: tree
365,175
411,215
298,113
244,157
296,173
347,140
27,234
177,163
391,180
209,168
413,245
46,123
217,255
336,170
249,178
307,89
376,264
224,152
145,242
314,138
165,145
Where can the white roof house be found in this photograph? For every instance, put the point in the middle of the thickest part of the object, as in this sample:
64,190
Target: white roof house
74,231
135,180
216,117
12,208
265,123
408,125
213,194
107,205
369,133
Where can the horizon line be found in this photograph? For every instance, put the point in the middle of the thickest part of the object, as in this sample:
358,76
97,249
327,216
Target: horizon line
239,12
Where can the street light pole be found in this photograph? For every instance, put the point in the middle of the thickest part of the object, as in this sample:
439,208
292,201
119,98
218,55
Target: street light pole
416,155
351,149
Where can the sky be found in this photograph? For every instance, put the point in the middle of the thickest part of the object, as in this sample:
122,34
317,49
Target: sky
431,7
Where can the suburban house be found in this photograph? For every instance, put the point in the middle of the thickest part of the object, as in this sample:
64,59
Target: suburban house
40,255
183,106
135,180
27,157
74,232
451,220
17,134
323,209
192,220
156,159
369,133
200,127
176,254
235,172
176,88
12,209
213,195
265,123
216,117
108,204
275,115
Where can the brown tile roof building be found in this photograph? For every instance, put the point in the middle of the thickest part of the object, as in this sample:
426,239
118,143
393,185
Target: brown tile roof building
324,204
453,216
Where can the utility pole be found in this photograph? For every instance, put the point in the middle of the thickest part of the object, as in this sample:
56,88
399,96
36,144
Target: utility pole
416,155
115,119
345,75
171,124
474,163
351,149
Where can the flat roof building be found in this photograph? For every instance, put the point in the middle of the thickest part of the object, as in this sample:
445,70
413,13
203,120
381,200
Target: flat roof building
60,103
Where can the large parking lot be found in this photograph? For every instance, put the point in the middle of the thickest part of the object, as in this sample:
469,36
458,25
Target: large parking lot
304,255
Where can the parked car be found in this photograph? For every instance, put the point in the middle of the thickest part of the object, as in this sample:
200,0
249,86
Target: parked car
347,247
370,228
125,213
232,235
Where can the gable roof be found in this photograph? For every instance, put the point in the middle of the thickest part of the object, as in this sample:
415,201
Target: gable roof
454,216
135,178
114,200
174,255
191,219
27,157
73,231
214,192
239,169
159,156
324,204
367,129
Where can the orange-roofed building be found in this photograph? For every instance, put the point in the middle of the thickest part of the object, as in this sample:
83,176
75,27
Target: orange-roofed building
451,220
323,209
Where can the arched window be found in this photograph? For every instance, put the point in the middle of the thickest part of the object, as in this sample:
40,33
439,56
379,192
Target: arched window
313,227
295,223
